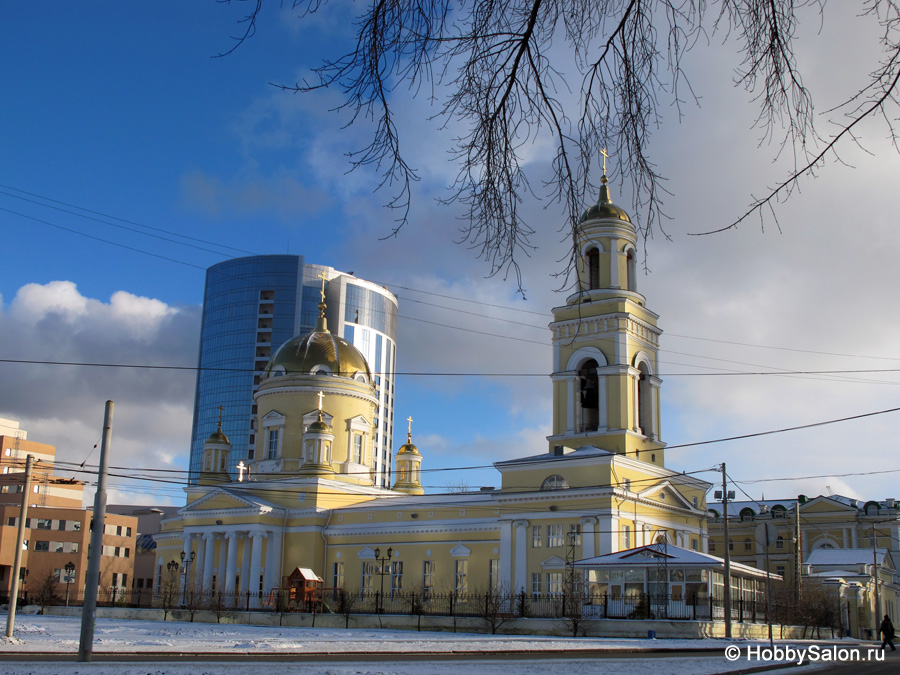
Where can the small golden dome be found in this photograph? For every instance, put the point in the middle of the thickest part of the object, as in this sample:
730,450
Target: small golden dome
604,208
408,448
320,426
218,436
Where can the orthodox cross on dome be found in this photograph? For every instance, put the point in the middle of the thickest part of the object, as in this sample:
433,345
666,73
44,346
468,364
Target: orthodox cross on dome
321,398
241,467
324,277
605,157
221,408
409,430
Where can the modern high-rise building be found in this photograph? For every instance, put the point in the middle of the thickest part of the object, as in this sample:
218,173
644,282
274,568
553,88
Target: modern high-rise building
253,305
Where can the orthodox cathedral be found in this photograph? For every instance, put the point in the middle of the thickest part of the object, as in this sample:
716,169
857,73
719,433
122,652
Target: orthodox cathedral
308,498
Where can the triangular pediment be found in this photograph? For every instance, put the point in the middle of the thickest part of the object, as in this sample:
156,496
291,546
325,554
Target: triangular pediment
460,551
647,552
822,504
554,561
219,500
666,493
273,416
368,553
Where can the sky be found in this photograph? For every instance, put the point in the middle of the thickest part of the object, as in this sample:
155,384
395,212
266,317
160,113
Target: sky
133,159
58,634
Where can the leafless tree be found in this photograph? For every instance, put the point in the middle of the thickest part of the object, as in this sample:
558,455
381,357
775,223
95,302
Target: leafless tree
591,74
44,591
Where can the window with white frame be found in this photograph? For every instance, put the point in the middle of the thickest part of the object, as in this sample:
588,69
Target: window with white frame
554,583
427,578
461,585
494,575
358,448
396,578
626,536
337,575
272,443
574,535
555,536
537,540
535,584
367,573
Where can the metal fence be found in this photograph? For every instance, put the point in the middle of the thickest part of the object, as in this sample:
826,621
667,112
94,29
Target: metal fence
639,606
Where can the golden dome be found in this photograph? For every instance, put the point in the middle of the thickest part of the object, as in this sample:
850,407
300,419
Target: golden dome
320,426
315,352
218,437
408,448
604,208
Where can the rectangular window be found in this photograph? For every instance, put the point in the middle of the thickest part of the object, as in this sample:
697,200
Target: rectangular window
461,586
337,575
358,448
124,581
127,531
779,570
12,521
396,578
494,575
115,579
273,443
427,578
44,524
695,545
365,582
536,540
57,575
554,536
626,536
555,583
535,584
574,535
42,546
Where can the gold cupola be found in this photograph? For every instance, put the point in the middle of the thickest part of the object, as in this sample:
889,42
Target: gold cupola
409,466
216,452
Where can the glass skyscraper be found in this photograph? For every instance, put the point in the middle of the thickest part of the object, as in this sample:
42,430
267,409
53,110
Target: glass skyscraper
253,305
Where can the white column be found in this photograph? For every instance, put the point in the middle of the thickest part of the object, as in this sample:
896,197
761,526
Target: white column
231,562
245,565
255,567
198,563
570,405
588,525
521,563
273,561
608,541
208,563
220,571
506,536
854,538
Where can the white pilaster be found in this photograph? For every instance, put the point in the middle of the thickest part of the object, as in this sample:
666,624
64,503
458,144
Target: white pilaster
273,561
210,548
506,558
231,562
588,527
609,541
245,566
521,565
255,566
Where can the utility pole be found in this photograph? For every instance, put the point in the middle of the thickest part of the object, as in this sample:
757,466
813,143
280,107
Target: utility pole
89,611
877,622
20,540
798,555
727,598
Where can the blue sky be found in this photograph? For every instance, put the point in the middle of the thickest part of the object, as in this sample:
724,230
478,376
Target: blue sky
122,109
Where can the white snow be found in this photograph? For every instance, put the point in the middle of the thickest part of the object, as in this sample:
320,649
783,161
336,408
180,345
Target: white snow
44,634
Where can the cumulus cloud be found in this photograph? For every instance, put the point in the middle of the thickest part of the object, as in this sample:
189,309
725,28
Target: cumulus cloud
63,405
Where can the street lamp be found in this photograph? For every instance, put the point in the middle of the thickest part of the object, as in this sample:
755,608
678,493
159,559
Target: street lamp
186,572
70,567
381,572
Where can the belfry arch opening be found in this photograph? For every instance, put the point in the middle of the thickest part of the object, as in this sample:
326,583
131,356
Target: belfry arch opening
589,386
630,270
592,260
644,413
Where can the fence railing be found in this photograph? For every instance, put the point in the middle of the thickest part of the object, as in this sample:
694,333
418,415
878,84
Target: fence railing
636,606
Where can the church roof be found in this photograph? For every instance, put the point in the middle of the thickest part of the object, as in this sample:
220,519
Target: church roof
308,354
604,208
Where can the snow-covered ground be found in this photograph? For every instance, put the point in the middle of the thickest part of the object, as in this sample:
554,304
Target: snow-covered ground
166,640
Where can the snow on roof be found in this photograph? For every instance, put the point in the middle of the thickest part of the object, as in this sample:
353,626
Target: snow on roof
645,556
846,556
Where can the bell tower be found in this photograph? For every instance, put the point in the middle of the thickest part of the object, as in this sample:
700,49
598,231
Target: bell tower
605,345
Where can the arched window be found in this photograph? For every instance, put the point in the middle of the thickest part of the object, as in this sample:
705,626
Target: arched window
555,482
593,269
644,404
748,545
631,270
590,396
747,514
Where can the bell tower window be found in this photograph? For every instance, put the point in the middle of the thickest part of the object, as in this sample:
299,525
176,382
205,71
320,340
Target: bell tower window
590,399
630,270
593,269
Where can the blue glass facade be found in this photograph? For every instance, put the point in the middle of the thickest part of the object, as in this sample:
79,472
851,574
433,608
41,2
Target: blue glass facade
253,305
250,307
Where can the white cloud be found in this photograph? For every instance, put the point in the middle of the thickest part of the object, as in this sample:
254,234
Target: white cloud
64,405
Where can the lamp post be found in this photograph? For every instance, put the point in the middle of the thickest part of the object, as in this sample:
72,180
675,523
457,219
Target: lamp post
381,572
70,567
186,562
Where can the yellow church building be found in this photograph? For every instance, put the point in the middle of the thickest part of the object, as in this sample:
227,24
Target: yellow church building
308,499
